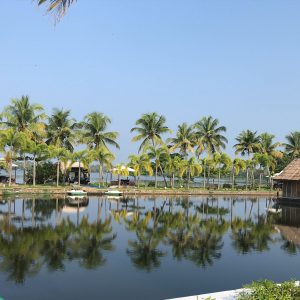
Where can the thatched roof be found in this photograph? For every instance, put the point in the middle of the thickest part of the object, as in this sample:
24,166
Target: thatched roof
290,172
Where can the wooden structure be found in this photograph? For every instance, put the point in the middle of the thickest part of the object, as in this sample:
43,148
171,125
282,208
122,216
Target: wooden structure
290,179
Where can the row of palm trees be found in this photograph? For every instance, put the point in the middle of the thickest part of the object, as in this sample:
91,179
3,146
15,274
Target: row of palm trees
27,133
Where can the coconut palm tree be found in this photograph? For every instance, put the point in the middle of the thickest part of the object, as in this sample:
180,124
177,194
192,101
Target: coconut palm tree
23,116
95,133
292,146
61,130
58,6
185,139
104,158
10,143
81,157
140,163
248,143
237,165
223,162
269,147
150,127
173,166
192,168
39,152
59,154
158,154
120,170
211,134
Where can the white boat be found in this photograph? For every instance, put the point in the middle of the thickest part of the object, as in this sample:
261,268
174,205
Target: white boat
113,193
274,210
77,193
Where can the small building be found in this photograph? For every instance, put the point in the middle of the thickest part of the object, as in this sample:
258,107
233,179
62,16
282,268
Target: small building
290,179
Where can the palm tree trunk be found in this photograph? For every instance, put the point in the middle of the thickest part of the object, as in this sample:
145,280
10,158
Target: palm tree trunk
173,180
138,181
155,175
204,179
219,179
24,169
57,173
232,186
10,172
99,174
34,171
189,178
163,175
247,178
79,174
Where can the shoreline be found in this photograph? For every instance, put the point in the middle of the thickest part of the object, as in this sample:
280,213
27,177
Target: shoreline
48,190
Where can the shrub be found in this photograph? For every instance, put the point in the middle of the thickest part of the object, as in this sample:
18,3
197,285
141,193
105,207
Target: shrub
269,290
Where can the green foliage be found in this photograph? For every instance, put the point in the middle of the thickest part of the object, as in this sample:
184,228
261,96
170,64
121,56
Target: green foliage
45,172
268,290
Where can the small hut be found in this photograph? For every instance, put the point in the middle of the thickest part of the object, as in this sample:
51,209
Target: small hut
290,179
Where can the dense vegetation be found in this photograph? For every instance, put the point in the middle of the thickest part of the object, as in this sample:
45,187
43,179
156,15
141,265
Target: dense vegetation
27,134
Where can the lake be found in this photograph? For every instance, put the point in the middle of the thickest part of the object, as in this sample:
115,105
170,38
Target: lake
142,248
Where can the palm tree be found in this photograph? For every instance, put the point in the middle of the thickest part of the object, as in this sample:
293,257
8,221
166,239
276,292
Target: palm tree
140,163
237,165
185,139
192,167
80,156
248,143
173,166
292,146
223,162
40,152
23,116
59,154
268,146
10,143
104,158
120,170
61,130
150,127
58,6
158,154
211,134
95,133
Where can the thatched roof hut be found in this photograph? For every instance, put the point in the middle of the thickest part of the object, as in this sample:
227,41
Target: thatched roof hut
290,178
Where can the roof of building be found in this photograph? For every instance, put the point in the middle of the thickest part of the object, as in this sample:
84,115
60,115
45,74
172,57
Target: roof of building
290,172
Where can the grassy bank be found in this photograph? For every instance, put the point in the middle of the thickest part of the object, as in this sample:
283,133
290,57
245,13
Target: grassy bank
62,190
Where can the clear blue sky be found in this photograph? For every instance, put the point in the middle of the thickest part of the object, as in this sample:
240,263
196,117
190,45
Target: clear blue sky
236,60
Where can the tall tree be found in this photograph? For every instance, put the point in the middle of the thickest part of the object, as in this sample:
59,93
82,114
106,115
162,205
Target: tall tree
211,134
185,139
95,133
26,117
61,130
104,158
248,142
150,128
237,165
140,163
292,146
10,144
158,154
223,163
192,168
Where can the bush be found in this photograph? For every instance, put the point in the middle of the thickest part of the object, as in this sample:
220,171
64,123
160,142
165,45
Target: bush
269,290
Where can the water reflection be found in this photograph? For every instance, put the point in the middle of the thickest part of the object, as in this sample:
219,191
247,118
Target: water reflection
53,233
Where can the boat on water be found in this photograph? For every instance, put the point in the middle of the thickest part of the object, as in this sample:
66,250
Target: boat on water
114,193
274,210
77,193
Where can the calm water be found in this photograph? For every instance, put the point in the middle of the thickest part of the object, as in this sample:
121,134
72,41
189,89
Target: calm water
142,248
